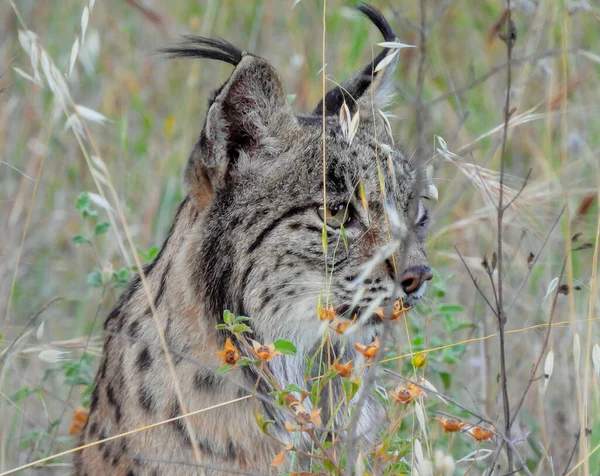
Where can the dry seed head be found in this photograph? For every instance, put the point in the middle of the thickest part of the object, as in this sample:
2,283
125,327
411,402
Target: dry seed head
548,369
74,51
596,359
386,61
576,351
53,356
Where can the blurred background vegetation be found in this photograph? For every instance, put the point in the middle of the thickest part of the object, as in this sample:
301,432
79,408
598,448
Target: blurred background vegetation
59,245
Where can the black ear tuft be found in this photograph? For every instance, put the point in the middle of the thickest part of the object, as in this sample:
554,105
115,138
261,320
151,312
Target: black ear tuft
201,47
355,87
378,20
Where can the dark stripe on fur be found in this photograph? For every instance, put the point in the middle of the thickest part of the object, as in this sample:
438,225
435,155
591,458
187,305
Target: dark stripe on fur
275,223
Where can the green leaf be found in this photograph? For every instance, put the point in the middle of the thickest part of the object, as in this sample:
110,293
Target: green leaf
79,240
314,393
344,236
222,326
245,361
451,308
152,252
262,423
309,365
350,388
285,347
239,319
94,279
240,329
227,317
224,369
324,238
101,228
463,325
83,201
292,387
446,379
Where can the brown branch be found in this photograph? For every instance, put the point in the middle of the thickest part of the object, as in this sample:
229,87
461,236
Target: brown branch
474,280
509,37
572,453
534,369
507,206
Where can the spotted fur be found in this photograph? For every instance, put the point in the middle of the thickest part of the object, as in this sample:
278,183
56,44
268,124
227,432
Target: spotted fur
248,238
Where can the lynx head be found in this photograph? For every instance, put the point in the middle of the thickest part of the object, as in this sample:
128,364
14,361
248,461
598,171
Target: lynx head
258,177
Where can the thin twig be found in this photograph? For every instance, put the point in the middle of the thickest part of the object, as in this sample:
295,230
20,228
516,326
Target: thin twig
536,258
497,69
577,436
544,346
534,369
507,206
474,280
31,321
509,37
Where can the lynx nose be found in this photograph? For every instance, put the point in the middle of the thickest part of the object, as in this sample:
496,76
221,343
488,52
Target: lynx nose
413,278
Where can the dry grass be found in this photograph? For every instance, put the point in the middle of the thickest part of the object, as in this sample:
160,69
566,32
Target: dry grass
156,109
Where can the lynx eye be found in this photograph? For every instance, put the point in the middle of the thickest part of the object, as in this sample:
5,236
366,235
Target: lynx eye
335,216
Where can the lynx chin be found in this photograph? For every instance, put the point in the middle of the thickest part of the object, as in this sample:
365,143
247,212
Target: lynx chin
249,238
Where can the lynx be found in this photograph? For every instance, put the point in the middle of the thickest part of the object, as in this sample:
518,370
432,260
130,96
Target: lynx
248,238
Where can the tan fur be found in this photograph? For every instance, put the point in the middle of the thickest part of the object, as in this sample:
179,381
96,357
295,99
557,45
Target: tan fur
229,433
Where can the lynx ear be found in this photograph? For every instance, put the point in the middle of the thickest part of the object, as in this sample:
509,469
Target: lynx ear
371,86
250,112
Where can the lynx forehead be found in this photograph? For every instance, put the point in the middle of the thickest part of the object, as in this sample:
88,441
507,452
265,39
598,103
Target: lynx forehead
248,238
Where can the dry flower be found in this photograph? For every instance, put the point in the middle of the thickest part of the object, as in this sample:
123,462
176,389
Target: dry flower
339,326
80,417
229,355
313,417
368,351
406,394
326,313
450,425
264,352
481,434
399,310
345,370
305,419
280,458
